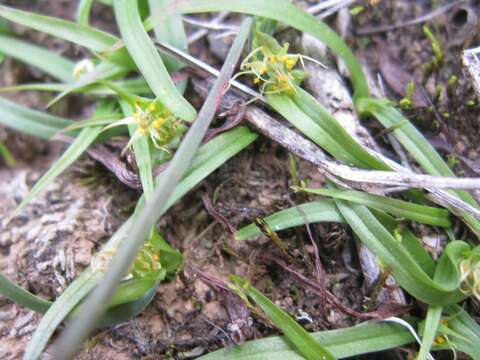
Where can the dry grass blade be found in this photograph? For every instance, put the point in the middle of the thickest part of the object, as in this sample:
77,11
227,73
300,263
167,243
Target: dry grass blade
94,306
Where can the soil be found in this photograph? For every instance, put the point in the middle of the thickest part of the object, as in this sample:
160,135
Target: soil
53,239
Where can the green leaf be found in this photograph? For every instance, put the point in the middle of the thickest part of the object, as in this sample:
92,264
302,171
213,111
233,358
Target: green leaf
132,290
45,60
317,112
58,311
134,86
286,107
463,333
171,259
434,314
148,60
86,137
342,343
280,10
21,296
125,312
103,71
317,211
393,254
303,342
83,12
143,158
421,213
92,122
7,155
210,157
31,122
91,38
171,32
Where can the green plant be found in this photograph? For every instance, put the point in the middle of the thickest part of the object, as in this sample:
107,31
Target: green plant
150,109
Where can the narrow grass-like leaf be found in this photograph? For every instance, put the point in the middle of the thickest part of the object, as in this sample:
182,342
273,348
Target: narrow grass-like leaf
143,158
7,155
125,312
462,332
134,86
418,147
317,211
285,106
392,252
342,343
21,296
317,112
421,213
69,299
28,121
83,12
302,341
95,305
211,156
148,60
103,71
86,137
170,31
89,37
434,314
53,87
280,10
43,59
95,121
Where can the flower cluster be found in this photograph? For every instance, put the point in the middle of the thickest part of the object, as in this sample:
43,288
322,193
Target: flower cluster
273,69
470,273
147,262
157,122
154,121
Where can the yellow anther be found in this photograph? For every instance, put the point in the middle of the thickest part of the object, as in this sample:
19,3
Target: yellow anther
290,63
440,339
152,107
157,124
282,78
256,80
156,257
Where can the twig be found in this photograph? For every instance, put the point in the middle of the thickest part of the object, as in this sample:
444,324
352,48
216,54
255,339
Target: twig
216,215
305,149
471,62
392,178
200,65
335,8
382,313
232,121
211,25
203,32
322,5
